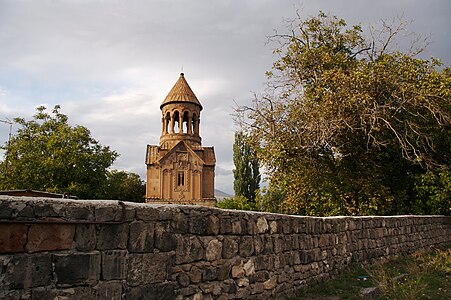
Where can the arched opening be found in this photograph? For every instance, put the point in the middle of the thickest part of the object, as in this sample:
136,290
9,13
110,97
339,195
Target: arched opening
195,124
167,120
176,122
186,123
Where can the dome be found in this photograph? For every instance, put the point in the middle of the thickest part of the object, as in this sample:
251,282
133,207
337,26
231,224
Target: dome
181,92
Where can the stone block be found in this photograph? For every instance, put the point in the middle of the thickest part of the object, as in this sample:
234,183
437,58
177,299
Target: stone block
48,237
271,283
189,249
249,267
198,225
6,210
267,244
212,225
187,291
14,295
225,225
75,268
26,213
223,272
262,225
85,237
237,269
40,293
213,251
160,291
79,213
278,244
105,240
258,288
195,275
242,282
23,271
164,239
209,274
114,264
230,247
147,213
306,257
287,226
179,223
108,213
183,279
239,227
43,210
273,227
149,268
109,290
141,237
12,237
246,246
261,276
243,293
258,244
76,293
213,288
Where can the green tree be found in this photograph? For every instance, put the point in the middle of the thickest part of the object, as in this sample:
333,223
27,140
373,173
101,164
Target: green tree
122,185
50,155
237,202
246,173
349,124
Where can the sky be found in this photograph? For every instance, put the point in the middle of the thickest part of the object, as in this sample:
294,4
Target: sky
110,64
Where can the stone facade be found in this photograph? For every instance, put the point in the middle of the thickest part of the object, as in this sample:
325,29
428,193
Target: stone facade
68,249
180,170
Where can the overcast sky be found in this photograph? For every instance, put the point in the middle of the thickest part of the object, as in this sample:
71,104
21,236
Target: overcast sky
110,64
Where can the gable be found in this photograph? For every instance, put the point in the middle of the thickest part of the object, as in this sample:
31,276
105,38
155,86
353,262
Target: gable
181,155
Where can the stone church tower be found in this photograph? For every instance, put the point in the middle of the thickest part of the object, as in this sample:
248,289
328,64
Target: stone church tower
180,170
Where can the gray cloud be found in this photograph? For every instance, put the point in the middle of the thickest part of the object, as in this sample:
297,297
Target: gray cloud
111,63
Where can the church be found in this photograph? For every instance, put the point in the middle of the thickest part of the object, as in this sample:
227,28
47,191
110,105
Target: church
180,170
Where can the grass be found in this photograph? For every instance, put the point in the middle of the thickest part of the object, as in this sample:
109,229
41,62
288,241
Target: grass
423,275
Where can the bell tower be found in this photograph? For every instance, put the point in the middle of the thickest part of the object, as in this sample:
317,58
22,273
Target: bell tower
180,170
180,120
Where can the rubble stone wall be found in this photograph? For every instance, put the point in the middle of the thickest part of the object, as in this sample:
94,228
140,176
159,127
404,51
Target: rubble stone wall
75,249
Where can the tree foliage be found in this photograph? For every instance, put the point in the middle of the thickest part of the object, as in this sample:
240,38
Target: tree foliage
237,202
349,124
246,173
122,185
50,155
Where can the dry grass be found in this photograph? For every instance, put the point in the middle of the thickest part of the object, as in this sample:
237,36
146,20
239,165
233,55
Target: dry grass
423,275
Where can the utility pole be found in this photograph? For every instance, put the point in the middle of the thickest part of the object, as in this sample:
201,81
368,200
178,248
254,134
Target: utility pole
7,121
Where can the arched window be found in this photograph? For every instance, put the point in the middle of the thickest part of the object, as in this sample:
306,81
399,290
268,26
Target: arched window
186,123
176,120
167,120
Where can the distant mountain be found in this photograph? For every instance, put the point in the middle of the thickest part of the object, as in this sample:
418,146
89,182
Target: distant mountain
221,195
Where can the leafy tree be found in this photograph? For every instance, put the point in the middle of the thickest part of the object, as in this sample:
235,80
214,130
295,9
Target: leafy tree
50,155
246,174
122,185
349,124
237,202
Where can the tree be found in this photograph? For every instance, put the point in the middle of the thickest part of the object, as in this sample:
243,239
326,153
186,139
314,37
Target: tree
246,174
122,185
349,124
50,155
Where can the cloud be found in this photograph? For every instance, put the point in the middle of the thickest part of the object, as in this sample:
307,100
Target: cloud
109,64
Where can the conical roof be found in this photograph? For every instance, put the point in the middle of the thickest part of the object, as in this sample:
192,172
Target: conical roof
181,92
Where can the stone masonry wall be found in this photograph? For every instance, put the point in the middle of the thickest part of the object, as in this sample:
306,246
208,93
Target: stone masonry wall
75,249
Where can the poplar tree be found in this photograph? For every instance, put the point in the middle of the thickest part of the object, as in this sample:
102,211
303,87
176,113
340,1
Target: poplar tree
246,173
